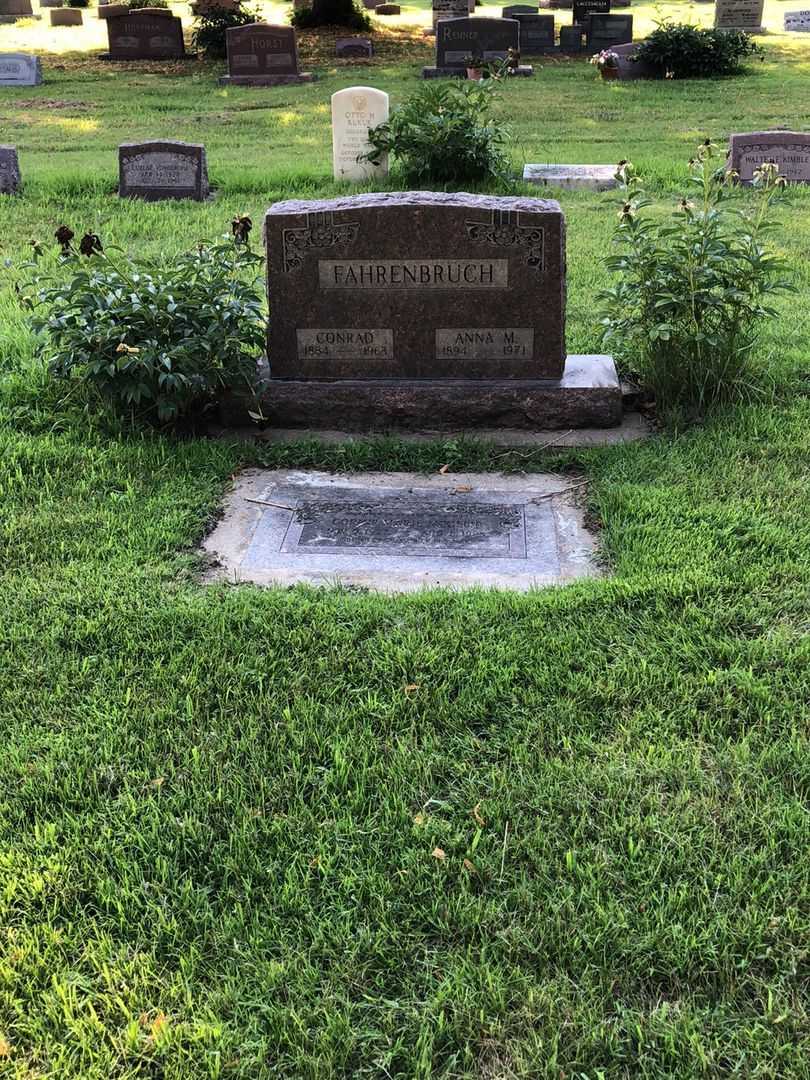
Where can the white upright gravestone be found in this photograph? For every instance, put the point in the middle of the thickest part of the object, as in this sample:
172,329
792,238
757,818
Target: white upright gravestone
354,111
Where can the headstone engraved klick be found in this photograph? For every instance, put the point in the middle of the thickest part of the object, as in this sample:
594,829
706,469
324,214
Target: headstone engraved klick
739,15
11,10
9,171
354,111
797,21
354,48
417,309
583,9
449,9
20,69
263,55
789,150
605,31
458,39
536,34
154,171
145,34
400,531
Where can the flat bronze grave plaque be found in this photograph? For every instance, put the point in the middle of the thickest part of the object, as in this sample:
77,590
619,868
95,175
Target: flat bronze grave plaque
401,531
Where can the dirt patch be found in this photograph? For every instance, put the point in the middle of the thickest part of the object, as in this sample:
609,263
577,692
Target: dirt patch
49,103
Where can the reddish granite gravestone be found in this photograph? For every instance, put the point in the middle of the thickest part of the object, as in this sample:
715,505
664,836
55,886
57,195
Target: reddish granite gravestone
262,55
162,170
11,10
790,150
425,309
458,39
9,171
349,48
145,34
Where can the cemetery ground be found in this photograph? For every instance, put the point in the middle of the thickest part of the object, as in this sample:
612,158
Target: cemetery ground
324,833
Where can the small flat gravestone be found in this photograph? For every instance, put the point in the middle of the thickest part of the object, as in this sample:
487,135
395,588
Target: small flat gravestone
354,111
536,34
9,171
354,48
20,69
583,9
605,31
66,16
797,21
572,177
154,171
458,39
401,531
790,150
11,10
387,9
263,55
739,15
145,34
518,9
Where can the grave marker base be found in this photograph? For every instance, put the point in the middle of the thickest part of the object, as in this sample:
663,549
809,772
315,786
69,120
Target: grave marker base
267,80
525,71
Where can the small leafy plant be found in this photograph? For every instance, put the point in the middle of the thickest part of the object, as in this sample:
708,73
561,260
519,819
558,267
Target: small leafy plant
683,51
153,340
211,26
444,134
693,289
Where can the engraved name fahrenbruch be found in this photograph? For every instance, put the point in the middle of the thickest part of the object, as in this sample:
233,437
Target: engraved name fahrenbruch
431,273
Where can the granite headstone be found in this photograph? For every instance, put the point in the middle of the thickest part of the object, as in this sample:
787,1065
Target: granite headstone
518,9
20,69
354,111
145,34
154,171
605,31
449,9
354,48
583,9
739,15
536,34
11,10
572,39
9,171
797,21
487,39
263,55
790,150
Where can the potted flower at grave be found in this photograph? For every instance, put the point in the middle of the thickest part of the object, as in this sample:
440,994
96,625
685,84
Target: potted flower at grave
475,66
607,61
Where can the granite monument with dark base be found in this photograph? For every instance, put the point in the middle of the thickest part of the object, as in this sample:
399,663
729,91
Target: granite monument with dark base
155,171
145,34
536,34
605,31
458,39
419,310
263,55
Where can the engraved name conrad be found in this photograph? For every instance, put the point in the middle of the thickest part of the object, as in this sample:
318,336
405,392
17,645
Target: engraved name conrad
414,274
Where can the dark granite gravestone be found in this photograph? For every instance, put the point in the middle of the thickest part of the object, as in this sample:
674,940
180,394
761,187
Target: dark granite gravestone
536,34
154,171
262,55
449,9
387,9
458,39
9,171
572,39
349,48
583,9
11,10
605,31
518,9
790,150
631,69
20,69
145,34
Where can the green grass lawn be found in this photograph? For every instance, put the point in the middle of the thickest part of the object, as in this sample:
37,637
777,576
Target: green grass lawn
220,807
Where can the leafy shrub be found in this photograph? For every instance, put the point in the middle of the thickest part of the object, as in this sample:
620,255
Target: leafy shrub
331,13
683,51
444,134
154,340
211,26
694,287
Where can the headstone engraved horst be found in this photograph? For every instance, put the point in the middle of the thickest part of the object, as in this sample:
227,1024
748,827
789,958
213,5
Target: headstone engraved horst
536,34
9,171
263,55
797,21
354,111
354,48
11,10
145,34
605,31
458,39
154,171
20,69
583,9
789,150
425,309
739,15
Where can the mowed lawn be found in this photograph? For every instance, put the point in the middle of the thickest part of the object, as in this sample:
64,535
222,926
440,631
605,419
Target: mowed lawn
303,833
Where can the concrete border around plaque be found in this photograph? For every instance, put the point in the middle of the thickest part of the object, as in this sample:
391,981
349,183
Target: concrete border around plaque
572,177
402,532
